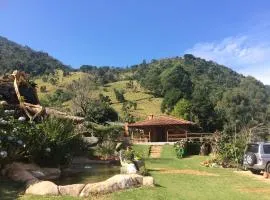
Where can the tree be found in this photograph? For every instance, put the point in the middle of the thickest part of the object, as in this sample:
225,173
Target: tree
248,103
170,99
119,95
202,110
43,89
82,90
176,77
182,109
100,112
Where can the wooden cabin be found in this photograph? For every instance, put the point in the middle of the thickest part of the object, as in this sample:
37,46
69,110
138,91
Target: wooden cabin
161,129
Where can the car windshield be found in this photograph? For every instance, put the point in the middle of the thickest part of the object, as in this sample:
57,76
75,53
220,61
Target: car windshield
252,148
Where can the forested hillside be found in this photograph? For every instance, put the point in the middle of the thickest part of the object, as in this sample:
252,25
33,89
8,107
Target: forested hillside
14,56
212,95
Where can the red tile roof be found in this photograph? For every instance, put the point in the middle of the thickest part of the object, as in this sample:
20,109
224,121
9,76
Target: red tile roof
161,121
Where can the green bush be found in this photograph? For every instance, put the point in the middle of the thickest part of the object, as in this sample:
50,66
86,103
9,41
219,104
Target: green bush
19,139
43,89
106,149
119,95
48,143
98,111
181,148
61,141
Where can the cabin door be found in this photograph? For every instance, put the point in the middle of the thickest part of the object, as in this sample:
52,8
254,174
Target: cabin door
158,135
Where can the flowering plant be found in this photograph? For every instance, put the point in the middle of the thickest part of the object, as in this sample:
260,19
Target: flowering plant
181,148
19,139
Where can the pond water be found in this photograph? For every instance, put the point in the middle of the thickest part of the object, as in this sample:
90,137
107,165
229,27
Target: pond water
87,173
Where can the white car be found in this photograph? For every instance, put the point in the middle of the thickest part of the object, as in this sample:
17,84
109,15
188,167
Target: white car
257,157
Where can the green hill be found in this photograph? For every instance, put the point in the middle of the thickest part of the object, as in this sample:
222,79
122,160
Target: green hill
14,56
212,95
146,102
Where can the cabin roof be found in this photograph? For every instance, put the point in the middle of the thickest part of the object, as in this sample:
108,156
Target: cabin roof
161,121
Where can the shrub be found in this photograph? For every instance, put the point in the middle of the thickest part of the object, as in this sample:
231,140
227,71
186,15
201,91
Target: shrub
99,111
19,139
58,98
43,89
106,149
119,95
44,78
61,142
181,148
49,143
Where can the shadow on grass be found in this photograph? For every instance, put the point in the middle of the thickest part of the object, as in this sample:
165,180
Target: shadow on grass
10,190
159,186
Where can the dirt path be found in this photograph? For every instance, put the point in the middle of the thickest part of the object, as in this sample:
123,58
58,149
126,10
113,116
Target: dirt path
183,171
255,176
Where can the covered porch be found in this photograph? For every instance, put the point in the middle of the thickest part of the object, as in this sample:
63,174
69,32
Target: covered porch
161,129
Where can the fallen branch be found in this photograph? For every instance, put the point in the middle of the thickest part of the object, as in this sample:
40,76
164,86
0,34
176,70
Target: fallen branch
63,115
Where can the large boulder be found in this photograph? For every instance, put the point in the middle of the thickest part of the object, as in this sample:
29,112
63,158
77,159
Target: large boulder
20,176
43,188
115,183
128,169
19,172
148,181
71,190
24,172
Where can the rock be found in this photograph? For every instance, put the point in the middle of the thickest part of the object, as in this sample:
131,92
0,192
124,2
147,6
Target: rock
50,173
19,165
115,183
38,174
24,172
71,190
128,169
3,103
20,175
90,140
214,165
148,181
43,188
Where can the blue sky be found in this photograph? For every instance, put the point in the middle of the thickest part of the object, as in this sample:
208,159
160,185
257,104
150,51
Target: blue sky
124,32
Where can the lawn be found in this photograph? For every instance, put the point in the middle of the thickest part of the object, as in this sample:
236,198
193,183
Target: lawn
226,184
142,150
186,179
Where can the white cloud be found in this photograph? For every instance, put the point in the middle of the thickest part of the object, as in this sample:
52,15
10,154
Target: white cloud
247,54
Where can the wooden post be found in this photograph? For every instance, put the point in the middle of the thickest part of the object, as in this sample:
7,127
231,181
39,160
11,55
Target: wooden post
186,134
167,135
149,136
126,130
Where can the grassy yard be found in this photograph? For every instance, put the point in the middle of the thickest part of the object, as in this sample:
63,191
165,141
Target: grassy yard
182,184
186,179
143,150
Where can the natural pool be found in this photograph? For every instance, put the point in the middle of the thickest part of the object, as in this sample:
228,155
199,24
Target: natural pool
76,174
87,173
